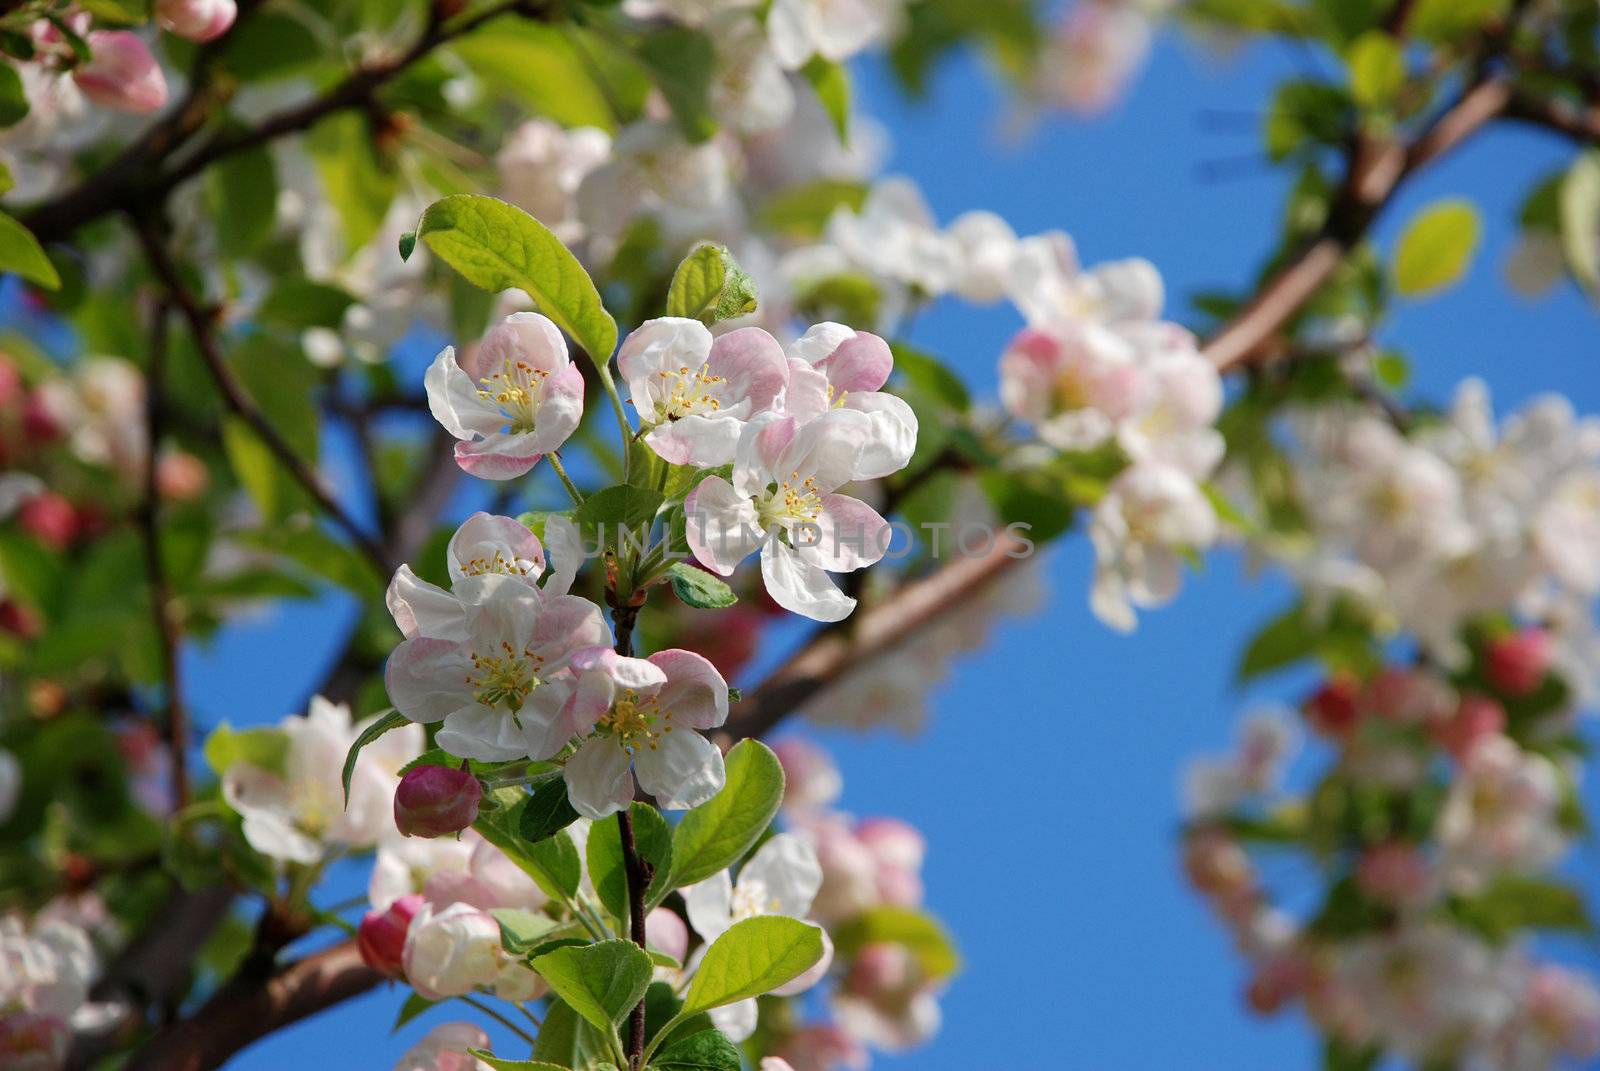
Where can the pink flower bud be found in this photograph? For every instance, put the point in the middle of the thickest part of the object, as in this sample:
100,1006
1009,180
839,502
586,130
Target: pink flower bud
882,971
180,476
50,519
1333,709
1395,873
1517,664
381,938
122,74
666,932
1477,717
197,20
435,801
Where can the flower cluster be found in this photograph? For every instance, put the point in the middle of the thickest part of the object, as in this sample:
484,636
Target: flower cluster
46,968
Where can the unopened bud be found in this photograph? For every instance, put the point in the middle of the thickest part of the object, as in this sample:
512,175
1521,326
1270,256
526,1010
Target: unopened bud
381,939
122,74
1518,663
435,801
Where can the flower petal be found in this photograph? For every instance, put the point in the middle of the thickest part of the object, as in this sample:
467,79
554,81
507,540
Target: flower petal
423,609
598,782
721,525
801,587
693,691
453,399
486,543
683,769
709,905
498,456
424,676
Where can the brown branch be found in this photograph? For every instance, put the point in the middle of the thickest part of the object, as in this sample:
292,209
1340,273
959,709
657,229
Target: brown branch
1580,122
149,517
239,400
138,177
249,1008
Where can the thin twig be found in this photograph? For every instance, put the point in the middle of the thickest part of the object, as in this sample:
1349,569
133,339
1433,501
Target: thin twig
239,401
167,633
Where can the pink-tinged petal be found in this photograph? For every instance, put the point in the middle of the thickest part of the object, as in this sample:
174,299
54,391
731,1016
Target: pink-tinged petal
753,364
700,441
694,691
546,727
453,399
598,780
807,395
661,345
565,625
623,671
1129,289
425,678
499,611
828,449
893,440
861,362
521,338
850,535
786,869
488,734
819,342
681,769
801,587
565,547
590,699
559,410
498,457
1028,370
721,525
761,448
423,609
486,543
121,73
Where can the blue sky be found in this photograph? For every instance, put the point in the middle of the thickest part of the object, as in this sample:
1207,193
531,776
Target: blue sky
1046,780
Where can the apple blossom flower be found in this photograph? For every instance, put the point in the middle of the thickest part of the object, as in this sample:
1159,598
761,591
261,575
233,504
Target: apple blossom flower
292,814
750,90
1075,383
121,73
696,394
484,544
517,398
1150,514
381,937
1094,53
686,189
833,367
1501,814
197,20
501,685
646,712
1559,1016
832,29
822,1047
456,951
810,778
896,238
781,878
542,165
985,247
436,801
864,864
1396,872
885,1000
1214,787
446,871
1050,288
783,501
445,1048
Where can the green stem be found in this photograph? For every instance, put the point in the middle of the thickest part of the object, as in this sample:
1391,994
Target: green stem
566,481
497,1017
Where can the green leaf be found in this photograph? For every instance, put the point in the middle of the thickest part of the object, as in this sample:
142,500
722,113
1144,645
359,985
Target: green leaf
359,184
651,836
699,588
547,812
1305,114
414,1006
708,1050
120,12
513,1065
601,982
20,252
928,374
13,98
299,303
1377,69
751,958
1024,499
262,747
498,246
391,720
1580,219
1436,247
710,286
558,72
552,863
721,830
619,515
522,931
1512,903
244,195
801,212
270,45
921,934
681,62
832,83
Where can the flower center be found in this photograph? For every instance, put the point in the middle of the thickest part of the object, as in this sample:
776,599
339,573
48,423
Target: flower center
689,392
515,389
636,721
504,679
751,898
791,500
498,562
1071,392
